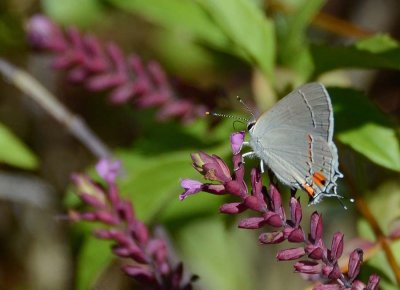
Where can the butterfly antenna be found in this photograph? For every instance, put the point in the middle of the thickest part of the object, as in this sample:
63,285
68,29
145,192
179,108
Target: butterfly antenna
227,116
245,106
342,204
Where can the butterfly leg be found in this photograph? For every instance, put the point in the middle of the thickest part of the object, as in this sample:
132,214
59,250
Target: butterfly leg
261,166
248,154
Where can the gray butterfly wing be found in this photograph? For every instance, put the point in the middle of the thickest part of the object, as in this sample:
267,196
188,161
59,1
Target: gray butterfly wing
294,139
308,108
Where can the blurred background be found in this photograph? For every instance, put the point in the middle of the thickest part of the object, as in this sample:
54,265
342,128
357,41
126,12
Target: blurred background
210,51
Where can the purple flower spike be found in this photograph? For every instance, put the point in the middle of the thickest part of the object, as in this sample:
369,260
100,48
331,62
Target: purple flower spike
104,67
237,140
191,187
290,254
108,169
130,236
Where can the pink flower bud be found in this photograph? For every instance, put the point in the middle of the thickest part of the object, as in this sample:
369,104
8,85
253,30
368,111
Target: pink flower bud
237,142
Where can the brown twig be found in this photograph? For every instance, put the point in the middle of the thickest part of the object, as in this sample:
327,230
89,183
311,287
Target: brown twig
339,26
36,91
328,22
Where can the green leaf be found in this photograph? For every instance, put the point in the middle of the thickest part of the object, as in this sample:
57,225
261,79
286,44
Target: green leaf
360,125
94,257
13,152
377,52
247,28
377,43
294,49
77,12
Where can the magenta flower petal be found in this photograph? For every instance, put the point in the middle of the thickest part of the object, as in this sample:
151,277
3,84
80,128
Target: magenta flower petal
232,208
337,246
42,33
252,202
211,167
217,189
237,140
332,272
271,238
191,187
316,227
358,285
316,251
140,273
307,267
252,223
273,219
296,236
355,261
295,211
373,282
290,254
108,169
327,287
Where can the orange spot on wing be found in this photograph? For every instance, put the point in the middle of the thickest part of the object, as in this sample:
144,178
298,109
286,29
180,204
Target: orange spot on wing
309,190
319,178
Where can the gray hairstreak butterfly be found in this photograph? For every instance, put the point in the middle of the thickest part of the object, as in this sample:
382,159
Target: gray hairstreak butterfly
294,139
